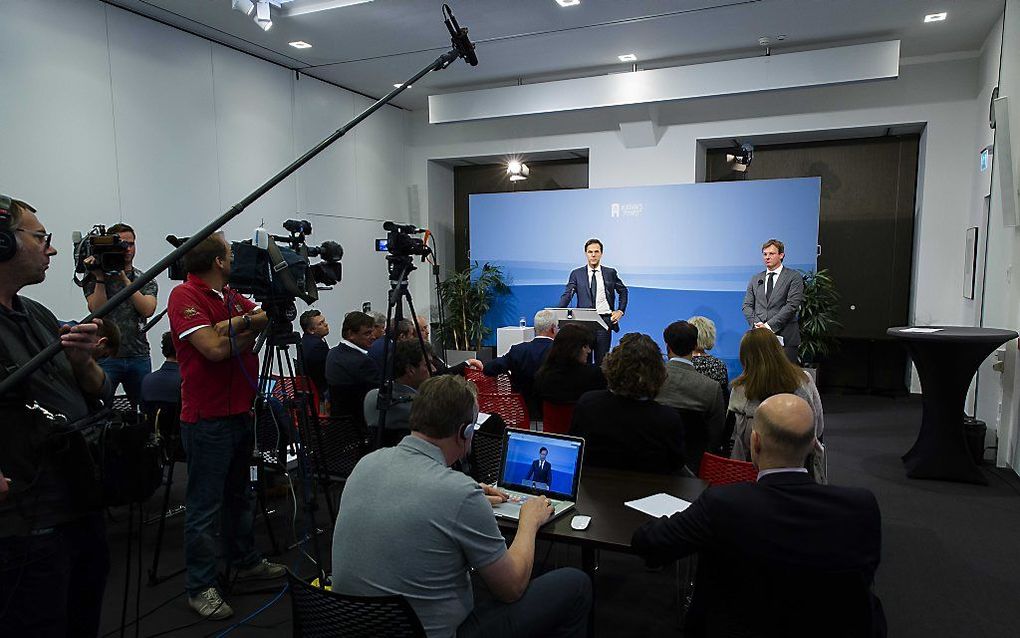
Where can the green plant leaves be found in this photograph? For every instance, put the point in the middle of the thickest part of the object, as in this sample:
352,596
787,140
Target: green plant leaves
468,296
818,317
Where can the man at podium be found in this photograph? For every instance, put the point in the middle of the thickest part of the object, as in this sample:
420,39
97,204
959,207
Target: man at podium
598,287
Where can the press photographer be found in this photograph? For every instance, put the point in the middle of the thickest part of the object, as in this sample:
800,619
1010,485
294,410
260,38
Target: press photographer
214,330
53,551
107,256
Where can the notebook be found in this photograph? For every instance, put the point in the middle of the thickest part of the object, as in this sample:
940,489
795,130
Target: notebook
536,463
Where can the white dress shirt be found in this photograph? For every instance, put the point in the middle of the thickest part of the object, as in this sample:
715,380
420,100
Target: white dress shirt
601,302
777,470
355,346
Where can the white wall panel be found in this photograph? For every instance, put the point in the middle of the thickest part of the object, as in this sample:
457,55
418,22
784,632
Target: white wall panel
325,184
254,138
381,170
56,127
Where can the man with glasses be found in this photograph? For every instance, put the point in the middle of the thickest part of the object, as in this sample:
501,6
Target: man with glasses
53,551
131,363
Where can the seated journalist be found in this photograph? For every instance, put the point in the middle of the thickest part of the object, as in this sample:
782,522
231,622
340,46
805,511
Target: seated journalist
410,525
566,373
411,370
783,557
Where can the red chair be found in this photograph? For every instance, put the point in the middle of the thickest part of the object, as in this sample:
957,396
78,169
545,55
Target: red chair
483,382
721,471
556,417
510,407
288,388
503,384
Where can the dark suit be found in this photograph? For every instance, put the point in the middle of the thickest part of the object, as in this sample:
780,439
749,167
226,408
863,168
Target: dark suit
522,362
629,434
541,474
687,389
350,374
162,386
579,283
566,384
780,309
781,557
315,350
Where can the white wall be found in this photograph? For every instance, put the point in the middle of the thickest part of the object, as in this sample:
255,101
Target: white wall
1002,286
112,117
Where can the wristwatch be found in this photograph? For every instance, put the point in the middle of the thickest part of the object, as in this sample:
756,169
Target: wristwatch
247,322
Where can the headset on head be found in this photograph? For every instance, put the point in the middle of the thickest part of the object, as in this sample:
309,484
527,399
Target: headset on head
8,243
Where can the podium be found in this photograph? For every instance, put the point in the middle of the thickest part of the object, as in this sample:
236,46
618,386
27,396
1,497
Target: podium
587,317
509,336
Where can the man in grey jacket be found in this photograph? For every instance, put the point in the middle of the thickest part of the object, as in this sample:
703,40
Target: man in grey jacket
698,398
774,296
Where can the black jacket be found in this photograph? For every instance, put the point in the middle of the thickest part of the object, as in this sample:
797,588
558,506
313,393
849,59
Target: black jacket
522,363
350,374
315,350
781,557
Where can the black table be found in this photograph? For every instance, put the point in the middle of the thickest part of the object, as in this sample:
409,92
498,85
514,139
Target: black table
946,362
601,495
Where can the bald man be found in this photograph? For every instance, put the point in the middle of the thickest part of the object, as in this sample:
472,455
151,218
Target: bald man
780,557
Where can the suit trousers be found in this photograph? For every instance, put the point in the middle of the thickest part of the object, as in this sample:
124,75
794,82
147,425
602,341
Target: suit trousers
603,340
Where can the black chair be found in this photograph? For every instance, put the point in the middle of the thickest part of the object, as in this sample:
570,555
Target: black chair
122,403
695,437
320,613
166,421
334,445
486,451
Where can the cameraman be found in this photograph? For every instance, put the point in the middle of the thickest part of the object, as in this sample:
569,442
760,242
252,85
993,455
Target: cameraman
53,553
214,331
130,365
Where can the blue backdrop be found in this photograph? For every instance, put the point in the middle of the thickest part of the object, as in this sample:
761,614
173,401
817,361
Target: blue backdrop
523,449
682,250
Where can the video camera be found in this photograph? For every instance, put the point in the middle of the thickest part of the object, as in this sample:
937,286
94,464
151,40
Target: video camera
107,249
277,268
399,241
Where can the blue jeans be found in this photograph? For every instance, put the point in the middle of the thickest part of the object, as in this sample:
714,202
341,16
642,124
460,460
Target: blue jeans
51,583
219,454
128,371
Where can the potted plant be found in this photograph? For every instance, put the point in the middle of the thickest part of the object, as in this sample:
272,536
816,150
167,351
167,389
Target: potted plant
467,297
818,320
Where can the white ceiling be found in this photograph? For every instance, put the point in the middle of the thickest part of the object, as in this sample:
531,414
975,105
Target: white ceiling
369,47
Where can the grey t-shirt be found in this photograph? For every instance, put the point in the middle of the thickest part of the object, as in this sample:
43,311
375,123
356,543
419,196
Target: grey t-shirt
132,340
410,525
398,417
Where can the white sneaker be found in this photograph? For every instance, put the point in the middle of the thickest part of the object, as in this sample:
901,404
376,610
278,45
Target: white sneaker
209,604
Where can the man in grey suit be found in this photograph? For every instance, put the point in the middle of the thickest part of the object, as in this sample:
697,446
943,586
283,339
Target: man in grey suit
773,298
699,398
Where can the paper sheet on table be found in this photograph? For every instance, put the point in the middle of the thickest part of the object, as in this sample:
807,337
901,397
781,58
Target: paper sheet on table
923,330
659,505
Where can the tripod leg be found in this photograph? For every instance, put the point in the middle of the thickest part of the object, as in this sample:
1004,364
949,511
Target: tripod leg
154,570
261,495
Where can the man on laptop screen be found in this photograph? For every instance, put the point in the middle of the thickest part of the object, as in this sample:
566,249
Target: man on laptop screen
536,463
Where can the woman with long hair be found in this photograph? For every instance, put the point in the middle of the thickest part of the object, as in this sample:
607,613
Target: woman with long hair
566,374
623,427
767,372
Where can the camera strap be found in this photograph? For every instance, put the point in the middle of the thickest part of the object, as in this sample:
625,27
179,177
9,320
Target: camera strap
278,264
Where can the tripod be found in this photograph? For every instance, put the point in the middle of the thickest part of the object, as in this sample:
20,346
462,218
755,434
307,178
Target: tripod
299,411
399,267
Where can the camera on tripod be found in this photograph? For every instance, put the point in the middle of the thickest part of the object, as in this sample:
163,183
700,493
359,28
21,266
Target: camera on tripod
107,250
278,268
399,241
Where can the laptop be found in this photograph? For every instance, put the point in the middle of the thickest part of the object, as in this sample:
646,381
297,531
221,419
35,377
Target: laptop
535,463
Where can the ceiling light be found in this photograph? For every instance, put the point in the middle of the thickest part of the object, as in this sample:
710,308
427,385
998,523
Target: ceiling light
935,17
627,57
301,7
244,6
568,3
300,44
397,86
517,170
262,15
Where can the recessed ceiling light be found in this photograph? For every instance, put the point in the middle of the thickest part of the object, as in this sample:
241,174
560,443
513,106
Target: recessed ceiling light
300,44
397,86
935,17
627,57
302,7
568,3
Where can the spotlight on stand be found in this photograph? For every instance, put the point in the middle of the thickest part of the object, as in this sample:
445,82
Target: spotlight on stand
262,15
741,156
517,170
244,6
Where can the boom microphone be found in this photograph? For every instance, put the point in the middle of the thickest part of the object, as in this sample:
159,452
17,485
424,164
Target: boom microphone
459,37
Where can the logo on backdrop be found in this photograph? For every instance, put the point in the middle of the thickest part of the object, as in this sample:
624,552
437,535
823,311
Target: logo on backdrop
626,210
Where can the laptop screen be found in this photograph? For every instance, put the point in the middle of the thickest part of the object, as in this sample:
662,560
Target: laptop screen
539,463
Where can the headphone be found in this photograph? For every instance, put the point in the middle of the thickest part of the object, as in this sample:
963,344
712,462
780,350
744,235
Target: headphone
8,242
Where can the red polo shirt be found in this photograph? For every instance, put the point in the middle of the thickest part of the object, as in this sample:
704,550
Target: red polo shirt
210,389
